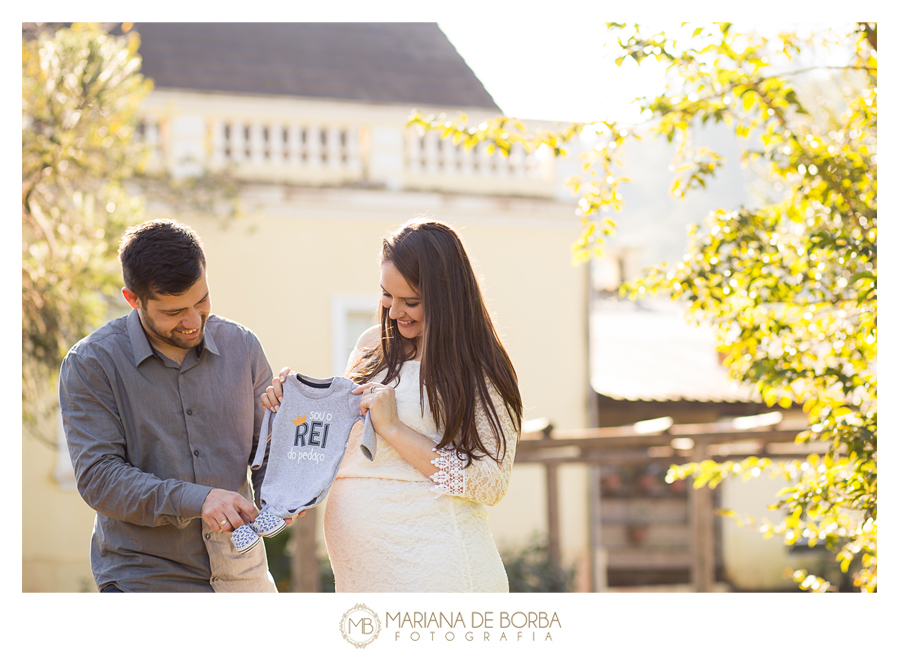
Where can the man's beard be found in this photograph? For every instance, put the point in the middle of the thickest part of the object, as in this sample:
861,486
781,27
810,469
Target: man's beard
174,338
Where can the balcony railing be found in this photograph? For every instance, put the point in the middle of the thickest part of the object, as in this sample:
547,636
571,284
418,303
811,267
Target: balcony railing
428,153
148,131
279,150
328,152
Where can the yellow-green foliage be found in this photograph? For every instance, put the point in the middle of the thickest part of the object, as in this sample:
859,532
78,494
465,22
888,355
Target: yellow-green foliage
80,94
789,285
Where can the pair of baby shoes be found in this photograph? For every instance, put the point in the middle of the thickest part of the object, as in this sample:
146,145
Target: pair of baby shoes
247,536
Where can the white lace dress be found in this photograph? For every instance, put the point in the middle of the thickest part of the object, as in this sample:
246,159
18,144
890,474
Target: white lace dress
389,528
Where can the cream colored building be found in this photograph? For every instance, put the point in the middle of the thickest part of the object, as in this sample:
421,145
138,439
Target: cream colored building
325,174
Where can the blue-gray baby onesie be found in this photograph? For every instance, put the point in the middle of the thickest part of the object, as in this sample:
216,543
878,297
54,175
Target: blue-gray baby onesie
309,435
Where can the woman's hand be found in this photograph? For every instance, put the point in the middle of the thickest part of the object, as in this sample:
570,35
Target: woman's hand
380,401
274,394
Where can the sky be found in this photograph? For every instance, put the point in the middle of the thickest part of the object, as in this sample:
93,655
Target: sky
552,67
562,72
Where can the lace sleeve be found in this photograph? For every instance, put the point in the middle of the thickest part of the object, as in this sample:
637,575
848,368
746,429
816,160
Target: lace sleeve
484,481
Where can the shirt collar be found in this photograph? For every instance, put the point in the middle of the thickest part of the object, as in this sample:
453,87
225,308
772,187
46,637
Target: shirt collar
208,342
141,347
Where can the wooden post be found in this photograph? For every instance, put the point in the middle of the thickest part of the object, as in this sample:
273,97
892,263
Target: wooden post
553,513
701,511
598,552
304,561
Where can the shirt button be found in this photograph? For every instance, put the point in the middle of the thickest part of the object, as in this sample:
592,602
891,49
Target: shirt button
196,453
207,535
190,412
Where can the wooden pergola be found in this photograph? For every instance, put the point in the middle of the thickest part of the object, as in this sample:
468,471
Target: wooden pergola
676,444
614,446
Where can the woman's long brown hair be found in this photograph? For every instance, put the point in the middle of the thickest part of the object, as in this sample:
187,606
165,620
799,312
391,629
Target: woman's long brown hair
461,350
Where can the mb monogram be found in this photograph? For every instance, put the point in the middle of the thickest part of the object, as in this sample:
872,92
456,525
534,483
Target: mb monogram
360,625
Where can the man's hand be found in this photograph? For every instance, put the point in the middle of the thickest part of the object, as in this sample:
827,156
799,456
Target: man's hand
226,510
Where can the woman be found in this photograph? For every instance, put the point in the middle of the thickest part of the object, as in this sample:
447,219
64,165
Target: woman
444,400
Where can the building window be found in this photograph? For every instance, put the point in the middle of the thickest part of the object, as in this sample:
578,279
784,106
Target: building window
351,316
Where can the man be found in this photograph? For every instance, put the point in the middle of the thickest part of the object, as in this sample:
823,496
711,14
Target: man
161,415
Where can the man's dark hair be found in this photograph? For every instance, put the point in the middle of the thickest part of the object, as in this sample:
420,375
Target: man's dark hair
161,257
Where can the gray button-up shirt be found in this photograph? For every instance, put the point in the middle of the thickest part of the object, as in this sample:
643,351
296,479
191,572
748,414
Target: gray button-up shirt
149,439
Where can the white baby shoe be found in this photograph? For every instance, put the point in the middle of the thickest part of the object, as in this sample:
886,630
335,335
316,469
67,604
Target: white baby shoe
244,538
268,524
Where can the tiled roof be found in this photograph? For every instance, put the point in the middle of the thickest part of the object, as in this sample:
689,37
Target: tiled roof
646,350
410,63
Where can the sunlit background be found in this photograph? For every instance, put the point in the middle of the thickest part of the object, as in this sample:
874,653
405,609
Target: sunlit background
557,70
545,69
